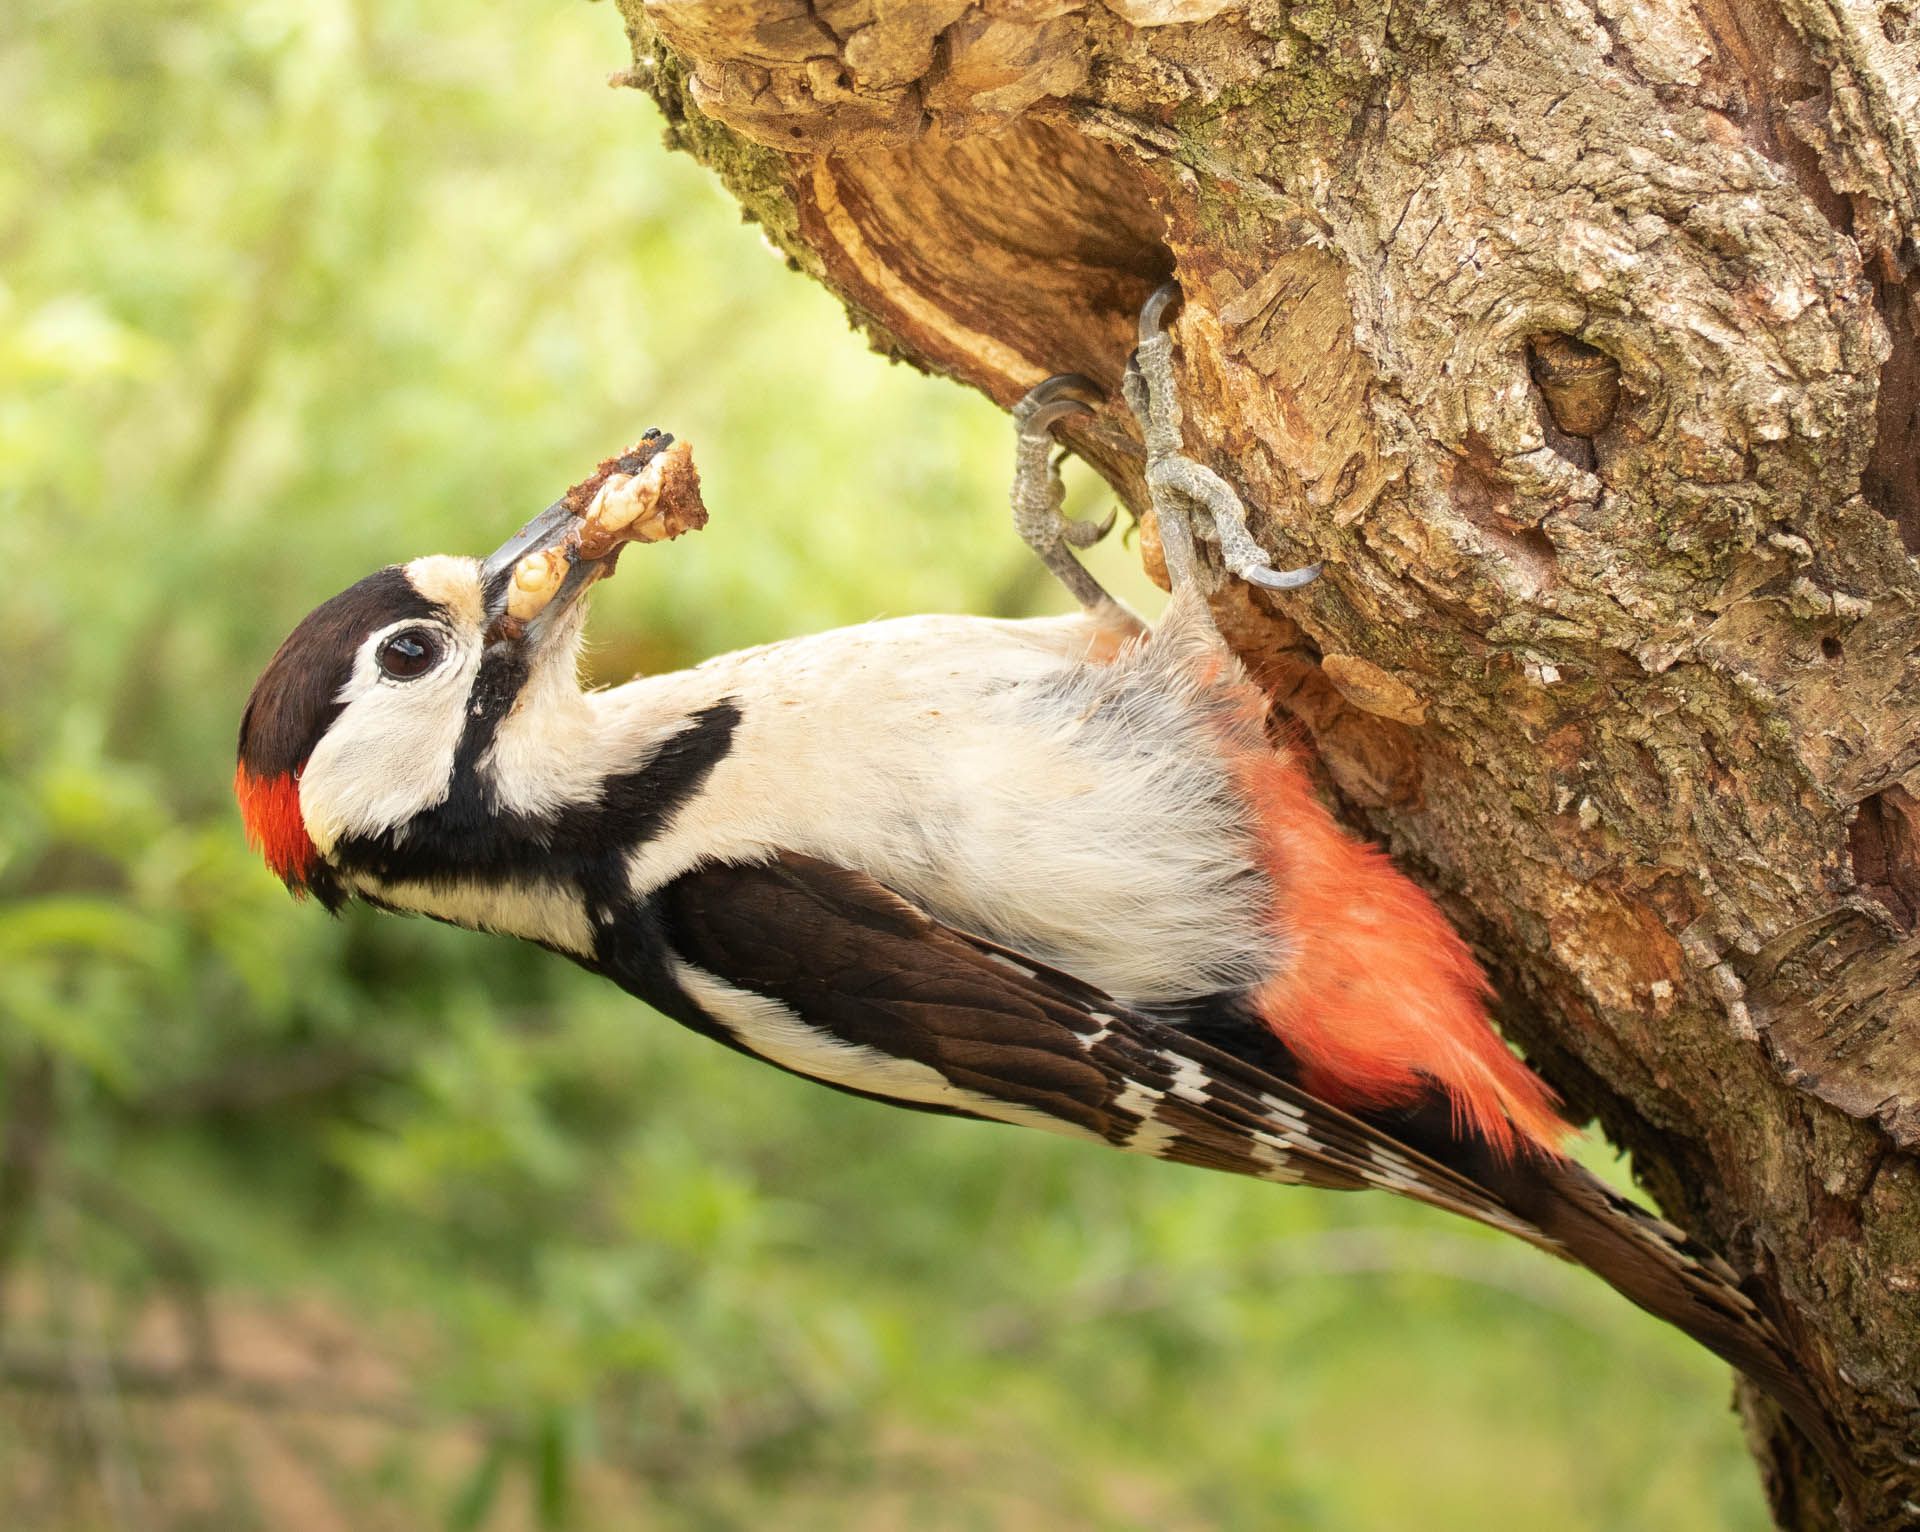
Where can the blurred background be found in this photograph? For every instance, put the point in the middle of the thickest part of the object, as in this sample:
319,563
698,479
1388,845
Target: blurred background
363,1223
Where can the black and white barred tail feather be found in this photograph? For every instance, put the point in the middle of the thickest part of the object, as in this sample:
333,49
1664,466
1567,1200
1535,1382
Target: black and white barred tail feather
1667,1272
832,976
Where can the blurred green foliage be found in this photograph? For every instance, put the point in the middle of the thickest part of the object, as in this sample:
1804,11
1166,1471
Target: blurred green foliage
288,290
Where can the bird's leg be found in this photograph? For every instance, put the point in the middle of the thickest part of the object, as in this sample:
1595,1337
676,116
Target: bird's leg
1175,481
1037,490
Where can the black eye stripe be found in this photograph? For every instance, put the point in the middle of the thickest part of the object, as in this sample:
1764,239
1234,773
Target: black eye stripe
408,654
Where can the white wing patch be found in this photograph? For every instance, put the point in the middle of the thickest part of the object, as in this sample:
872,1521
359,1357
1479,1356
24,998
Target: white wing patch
1190,1081
1152,1136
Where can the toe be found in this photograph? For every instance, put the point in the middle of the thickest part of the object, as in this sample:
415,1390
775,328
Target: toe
1280,579
1084,534
1062,394
1153,314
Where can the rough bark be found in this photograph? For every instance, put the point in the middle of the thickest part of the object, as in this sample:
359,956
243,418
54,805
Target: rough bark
1581,339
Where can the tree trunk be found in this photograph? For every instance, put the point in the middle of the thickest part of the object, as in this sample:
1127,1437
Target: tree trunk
1581,339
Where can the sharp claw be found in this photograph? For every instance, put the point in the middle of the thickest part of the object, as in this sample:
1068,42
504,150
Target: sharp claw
1062,392
1156,405
1084,534
1280,579
1037,491
1153,313
1038,422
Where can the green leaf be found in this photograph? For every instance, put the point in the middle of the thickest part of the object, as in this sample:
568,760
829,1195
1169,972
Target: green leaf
479,1491
554,1447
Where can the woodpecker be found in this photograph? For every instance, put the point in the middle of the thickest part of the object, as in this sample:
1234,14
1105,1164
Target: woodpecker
1049,872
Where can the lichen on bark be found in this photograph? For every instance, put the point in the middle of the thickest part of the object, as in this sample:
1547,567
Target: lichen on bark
1582,341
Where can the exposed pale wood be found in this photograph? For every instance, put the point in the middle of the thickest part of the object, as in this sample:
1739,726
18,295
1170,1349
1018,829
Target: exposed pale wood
1582,341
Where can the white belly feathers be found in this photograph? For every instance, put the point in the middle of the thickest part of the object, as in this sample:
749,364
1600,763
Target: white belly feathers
1080,813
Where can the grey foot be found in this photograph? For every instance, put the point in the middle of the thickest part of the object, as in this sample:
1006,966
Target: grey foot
1037,490
1175,481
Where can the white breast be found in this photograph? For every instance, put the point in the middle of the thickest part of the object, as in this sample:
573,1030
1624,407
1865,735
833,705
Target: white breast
1079,813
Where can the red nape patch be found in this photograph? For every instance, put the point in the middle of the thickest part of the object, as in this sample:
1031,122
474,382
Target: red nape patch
270,809
1380,1000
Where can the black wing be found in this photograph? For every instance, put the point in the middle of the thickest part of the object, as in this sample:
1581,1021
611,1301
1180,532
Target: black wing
828,974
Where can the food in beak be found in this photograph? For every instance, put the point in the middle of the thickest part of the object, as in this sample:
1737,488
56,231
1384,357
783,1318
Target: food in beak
659,502
535,578
648,494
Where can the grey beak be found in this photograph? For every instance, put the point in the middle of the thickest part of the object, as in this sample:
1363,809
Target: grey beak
544,531
547,530
550,529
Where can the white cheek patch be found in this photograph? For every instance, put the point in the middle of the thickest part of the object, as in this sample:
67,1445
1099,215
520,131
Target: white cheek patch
389,755
776,1033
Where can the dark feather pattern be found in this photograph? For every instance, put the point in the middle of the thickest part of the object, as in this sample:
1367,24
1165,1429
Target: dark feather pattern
471,837
865,968
872,970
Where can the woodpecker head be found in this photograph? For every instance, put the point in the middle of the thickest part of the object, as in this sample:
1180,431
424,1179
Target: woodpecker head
426,726
364,718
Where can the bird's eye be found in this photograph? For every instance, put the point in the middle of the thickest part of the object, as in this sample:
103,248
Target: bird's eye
408,654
